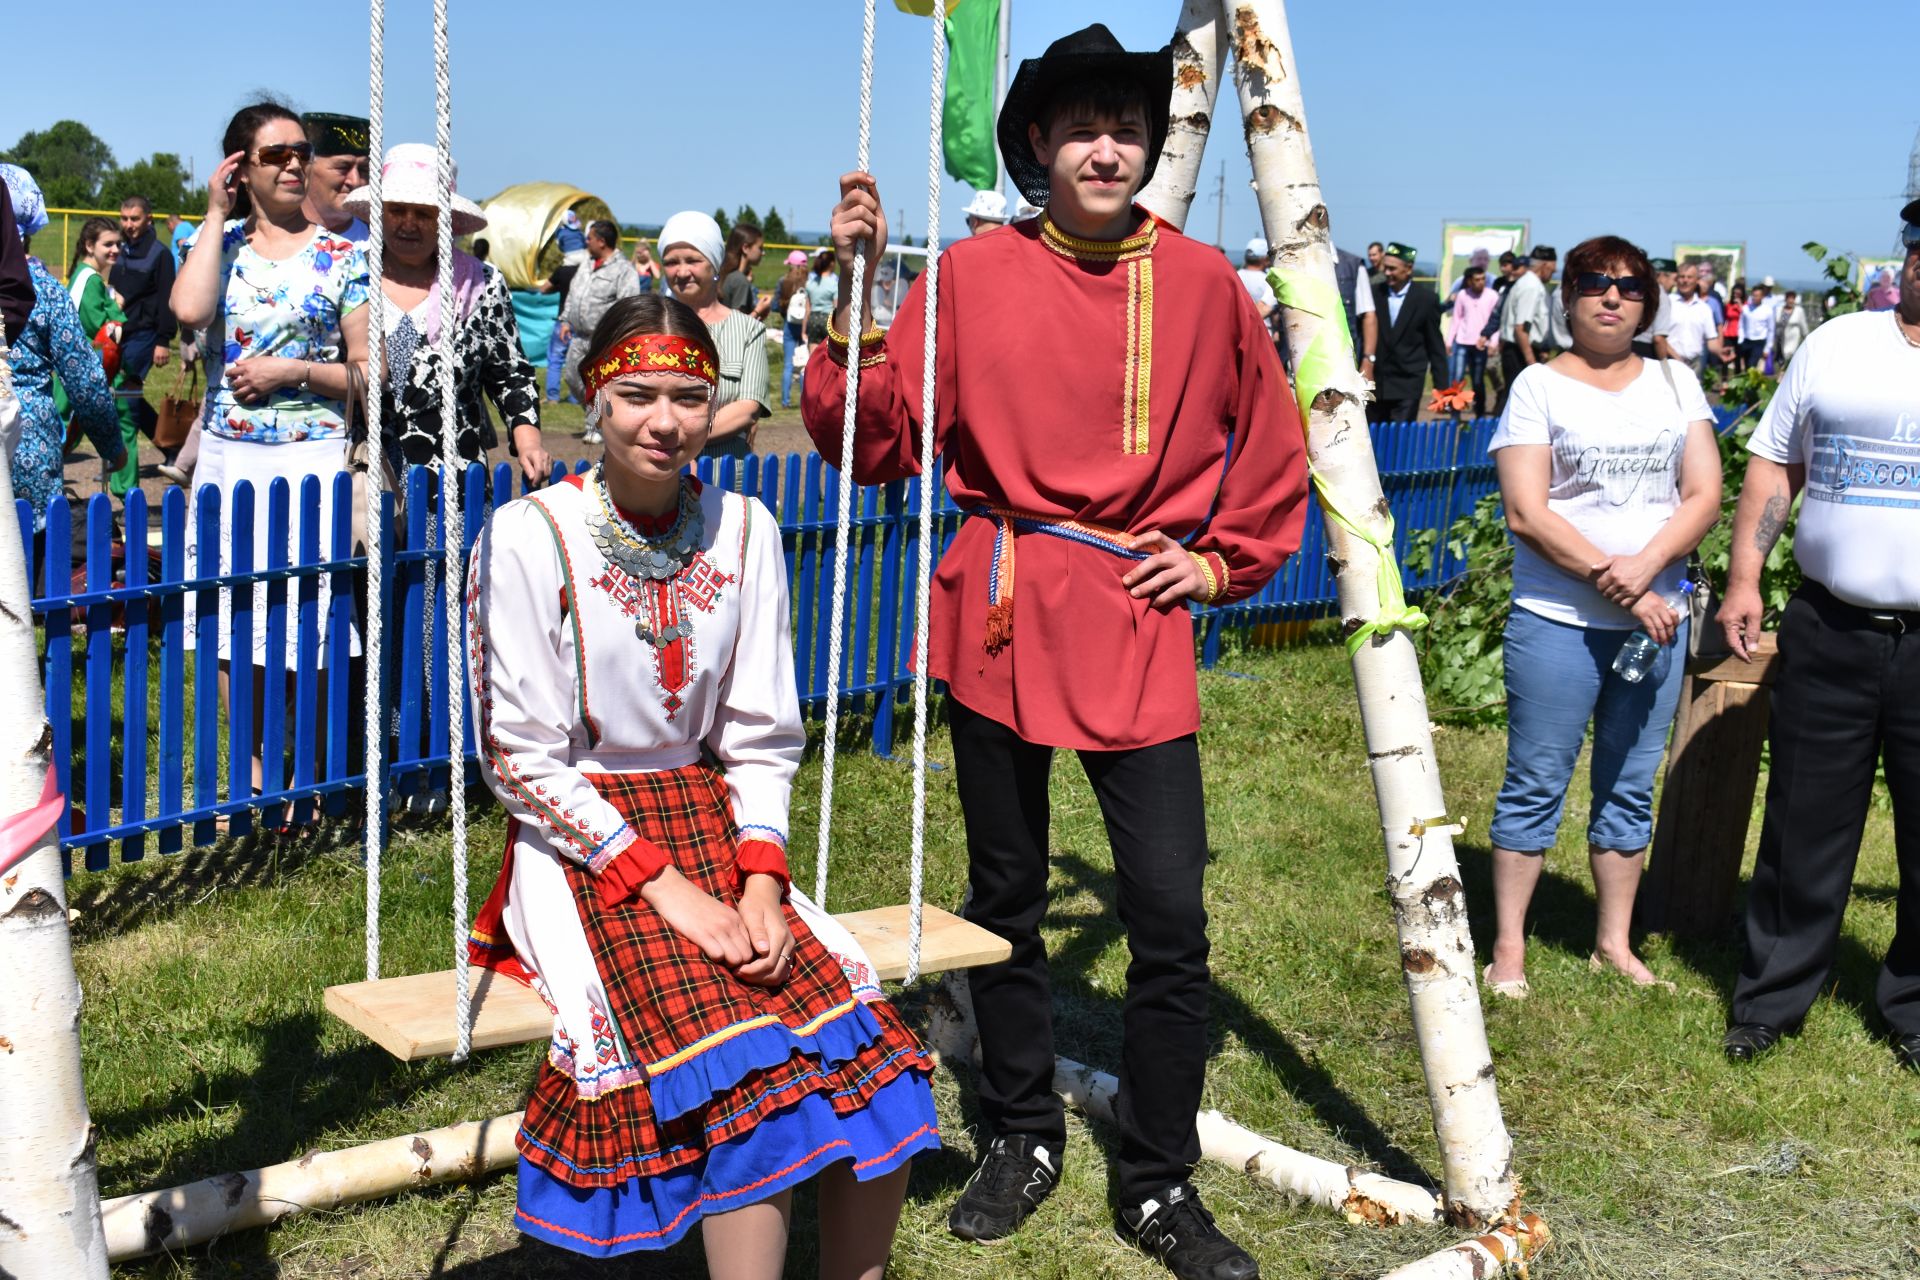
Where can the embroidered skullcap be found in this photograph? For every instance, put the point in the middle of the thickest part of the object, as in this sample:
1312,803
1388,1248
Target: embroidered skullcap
1405,253
698,230
29,207
337,135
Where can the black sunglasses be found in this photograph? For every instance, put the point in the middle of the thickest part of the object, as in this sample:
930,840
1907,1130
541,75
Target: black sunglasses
1591,284
280,154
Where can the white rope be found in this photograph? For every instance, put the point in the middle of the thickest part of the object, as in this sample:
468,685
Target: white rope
928,380
844,520
376,728
452,534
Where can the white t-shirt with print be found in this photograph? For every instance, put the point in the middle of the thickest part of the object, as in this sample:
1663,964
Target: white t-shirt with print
1848,410
1616,476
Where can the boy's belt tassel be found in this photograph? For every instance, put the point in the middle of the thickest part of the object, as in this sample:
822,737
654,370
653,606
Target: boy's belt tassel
1008,524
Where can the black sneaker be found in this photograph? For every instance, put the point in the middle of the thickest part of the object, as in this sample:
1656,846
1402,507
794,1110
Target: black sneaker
1177,1229
1018,1173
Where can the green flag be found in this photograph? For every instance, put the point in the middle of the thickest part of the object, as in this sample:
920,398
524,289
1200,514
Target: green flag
973,47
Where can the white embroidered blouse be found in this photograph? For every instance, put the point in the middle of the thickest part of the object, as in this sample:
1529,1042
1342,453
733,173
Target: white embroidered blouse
563,685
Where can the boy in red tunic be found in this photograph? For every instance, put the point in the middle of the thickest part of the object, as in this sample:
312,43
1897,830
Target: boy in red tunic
1111,411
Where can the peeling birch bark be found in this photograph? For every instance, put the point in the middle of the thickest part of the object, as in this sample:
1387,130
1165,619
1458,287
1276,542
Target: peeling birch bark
161,1221
49,1188
1360,1195
1422,873
1504,1249
1198,59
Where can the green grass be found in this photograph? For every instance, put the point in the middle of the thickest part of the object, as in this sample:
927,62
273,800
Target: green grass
207,1048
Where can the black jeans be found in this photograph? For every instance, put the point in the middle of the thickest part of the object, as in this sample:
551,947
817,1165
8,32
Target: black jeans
1156,823
1846,691
1394,409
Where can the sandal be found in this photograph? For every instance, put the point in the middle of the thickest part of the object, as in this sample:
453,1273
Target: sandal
1517,989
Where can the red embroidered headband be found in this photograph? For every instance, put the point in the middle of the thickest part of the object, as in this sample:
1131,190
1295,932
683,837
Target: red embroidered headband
647,353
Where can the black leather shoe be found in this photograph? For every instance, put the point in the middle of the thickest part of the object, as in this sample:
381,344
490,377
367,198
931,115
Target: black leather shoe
1746,1041
1906,1051
1177,1229
1017,1173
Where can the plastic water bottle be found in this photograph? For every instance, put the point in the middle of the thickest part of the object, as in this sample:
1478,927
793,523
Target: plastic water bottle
1636,657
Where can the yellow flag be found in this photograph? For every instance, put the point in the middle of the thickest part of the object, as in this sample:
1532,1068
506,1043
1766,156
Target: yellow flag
922,8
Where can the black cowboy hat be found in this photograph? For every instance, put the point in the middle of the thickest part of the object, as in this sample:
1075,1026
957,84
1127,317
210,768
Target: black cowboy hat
1092,52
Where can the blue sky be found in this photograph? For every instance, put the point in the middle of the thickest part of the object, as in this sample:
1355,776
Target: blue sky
1658,121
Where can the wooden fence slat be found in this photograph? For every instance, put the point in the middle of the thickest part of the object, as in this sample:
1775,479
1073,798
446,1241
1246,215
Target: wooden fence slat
134,681
206,661
240,713
98,725
339,638
306,622
273,684
173,666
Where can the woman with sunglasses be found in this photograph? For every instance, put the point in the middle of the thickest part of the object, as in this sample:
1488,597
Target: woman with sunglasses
717,1040
288,298
1610,477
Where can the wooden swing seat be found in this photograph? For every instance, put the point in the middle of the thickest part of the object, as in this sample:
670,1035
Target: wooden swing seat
412,1017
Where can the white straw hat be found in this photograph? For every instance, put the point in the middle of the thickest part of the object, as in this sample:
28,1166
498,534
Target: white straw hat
410,175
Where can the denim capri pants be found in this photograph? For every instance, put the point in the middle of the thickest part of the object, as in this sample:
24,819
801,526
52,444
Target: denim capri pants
1560,677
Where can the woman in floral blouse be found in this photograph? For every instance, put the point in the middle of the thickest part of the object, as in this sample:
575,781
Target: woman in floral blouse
289,297
52,343
487,360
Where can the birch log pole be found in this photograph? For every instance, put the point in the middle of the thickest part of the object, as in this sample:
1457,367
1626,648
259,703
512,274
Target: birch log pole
1362,1196
157,1221
1423,876
1198,57
49,1191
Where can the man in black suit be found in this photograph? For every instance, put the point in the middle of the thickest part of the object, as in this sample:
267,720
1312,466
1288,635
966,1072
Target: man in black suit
1410,345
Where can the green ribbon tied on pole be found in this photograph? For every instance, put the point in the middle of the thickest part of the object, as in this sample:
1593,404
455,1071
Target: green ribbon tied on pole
1314,370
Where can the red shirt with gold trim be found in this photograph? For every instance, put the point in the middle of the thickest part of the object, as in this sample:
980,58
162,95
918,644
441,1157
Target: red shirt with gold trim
1125,385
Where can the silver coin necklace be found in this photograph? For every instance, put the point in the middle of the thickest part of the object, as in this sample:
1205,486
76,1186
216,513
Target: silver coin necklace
648,559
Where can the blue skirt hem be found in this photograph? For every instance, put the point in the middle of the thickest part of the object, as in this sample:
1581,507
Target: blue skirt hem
782,1151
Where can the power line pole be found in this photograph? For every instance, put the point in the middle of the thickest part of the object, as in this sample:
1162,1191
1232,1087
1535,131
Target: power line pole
1220,200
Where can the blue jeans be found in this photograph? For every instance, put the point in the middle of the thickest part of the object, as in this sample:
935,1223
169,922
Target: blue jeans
556,361
1463,362
791,337
1560,677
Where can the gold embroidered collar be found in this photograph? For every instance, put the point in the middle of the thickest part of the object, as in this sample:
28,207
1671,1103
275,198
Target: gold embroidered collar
1137,245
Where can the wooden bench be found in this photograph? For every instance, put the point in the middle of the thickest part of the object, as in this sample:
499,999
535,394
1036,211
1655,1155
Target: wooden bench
412,1017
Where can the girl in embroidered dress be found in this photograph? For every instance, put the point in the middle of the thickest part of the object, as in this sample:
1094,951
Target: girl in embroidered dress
717,1039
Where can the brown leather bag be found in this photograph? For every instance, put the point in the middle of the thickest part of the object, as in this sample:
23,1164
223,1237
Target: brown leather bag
178,413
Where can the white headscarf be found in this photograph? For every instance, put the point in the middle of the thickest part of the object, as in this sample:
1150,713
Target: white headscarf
697,230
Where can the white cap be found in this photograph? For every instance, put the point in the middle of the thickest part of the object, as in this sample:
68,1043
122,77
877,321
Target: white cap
1768,282
988,206
1022,211
1257,247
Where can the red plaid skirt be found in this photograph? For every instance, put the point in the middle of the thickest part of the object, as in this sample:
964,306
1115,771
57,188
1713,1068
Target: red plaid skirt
713,1055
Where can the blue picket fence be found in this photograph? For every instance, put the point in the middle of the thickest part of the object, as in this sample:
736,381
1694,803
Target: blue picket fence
145,751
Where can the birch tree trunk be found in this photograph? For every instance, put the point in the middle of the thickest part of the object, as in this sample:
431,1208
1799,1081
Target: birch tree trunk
1198,58
49,1194
1423,876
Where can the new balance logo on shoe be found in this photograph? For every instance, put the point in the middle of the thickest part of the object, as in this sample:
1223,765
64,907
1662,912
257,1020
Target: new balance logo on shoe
1016,1175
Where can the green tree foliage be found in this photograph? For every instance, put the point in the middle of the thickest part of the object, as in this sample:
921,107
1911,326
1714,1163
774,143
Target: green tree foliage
161,179
775,226
726,223
68,161
746,214
1844,296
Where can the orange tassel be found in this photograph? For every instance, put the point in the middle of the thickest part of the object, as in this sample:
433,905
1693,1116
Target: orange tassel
999,627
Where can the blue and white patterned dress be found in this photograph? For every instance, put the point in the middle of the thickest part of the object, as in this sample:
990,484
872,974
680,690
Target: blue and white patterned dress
53,344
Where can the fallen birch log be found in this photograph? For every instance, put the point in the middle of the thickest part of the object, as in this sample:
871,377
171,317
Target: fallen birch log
177,1217
1504,1248
1360,1195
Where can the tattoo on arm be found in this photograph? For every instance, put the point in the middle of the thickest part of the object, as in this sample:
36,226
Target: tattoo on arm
1773,518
